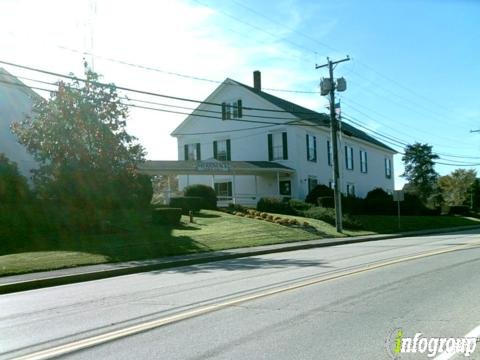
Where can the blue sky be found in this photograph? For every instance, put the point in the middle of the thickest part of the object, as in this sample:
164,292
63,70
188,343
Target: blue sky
413,74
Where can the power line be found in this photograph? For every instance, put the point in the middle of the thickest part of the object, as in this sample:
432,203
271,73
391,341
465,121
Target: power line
75,78
385,138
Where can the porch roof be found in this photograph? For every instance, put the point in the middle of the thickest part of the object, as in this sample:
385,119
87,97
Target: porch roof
211,167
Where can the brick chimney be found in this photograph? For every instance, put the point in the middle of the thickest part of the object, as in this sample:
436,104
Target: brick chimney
257,80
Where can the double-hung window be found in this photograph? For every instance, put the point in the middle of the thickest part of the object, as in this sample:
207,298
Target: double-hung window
363,161
350,189
232,110
312,182
277,146
192,152
223,190
388,168
349,157
311,148
222,150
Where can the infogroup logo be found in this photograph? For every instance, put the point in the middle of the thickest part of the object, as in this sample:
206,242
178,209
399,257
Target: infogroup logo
398,344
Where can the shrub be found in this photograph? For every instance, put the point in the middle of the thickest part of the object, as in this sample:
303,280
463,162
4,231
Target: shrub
274,205
413,205
353,205
236,207
205,192
326,201
328,215
299,205
459,210
187,203
378,202
318,191
166,216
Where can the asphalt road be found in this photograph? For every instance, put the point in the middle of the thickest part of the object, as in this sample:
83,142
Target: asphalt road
340,302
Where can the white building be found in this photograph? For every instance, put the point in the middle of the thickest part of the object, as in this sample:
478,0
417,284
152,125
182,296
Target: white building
229,142
16,102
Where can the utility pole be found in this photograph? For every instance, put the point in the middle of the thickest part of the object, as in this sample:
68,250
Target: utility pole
328,86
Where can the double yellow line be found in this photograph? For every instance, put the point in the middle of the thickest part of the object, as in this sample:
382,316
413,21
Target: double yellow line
149,325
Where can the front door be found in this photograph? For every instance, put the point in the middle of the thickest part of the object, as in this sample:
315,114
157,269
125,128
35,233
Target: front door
285,187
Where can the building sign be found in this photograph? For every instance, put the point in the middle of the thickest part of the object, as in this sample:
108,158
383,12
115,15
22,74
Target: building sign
398,195
213,166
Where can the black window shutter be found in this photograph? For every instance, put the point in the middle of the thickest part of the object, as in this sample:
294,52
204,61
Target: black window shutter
215,150
270,147
229,156
185,149
346,157
366,162
216,188
229,188
285,146
308,148
224,111
315,148
329,155
240,109
351,156
199,156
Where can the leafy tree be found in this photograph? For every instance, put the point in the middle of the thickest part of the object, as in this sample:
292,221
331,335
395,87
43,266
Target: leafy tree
456,186
419,168
78,136
13,186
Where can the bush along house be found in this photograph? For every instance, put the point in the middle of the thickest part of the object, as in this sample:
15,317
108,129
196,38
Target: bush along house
248,144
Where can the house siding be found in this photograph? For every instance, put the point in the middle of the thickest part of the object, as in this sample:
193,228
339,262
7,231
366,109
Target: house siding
252,145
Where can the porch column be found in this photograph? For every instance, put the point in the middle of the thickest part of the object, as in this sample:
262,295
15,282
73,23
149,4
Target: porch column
256,188
169,191
234,198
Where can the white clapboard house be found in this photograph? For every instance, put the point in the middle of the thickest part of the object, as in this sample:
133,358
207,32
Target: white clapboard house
229,142
16,102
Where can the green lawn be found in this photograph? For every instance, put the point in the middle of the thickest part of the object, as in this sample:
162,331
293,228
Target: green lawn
389,224
212,230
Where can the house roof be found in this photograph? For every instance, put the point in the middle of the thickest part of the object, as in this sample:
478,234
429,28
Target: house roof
211,167
313,116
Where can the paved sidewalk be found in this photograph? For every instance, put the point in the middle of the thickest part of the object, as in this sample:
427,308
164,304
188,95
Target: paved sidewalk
37,280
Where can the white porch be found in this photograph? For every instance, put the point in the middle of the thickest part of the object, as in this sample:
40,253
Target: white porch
237,182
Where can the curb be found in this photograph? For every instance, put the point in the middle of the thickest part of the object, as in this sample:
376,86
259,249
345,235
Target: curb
165,263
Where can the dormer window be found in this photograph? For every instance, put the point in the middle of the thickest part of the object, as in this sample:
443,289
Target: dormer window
232,110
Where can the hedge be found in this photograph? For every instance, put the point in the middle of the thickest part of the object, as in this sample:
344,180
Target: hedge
274,205
166,216
187,203
318,191
205,192
328,215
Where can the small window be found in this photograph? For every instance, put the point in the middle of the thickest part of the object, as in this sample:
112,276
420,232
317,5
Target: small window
312,182
221,150
277,146
388,168
329,153
331,184
192,151
232,110
311,148
348,157
350,189
363,161
223,190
